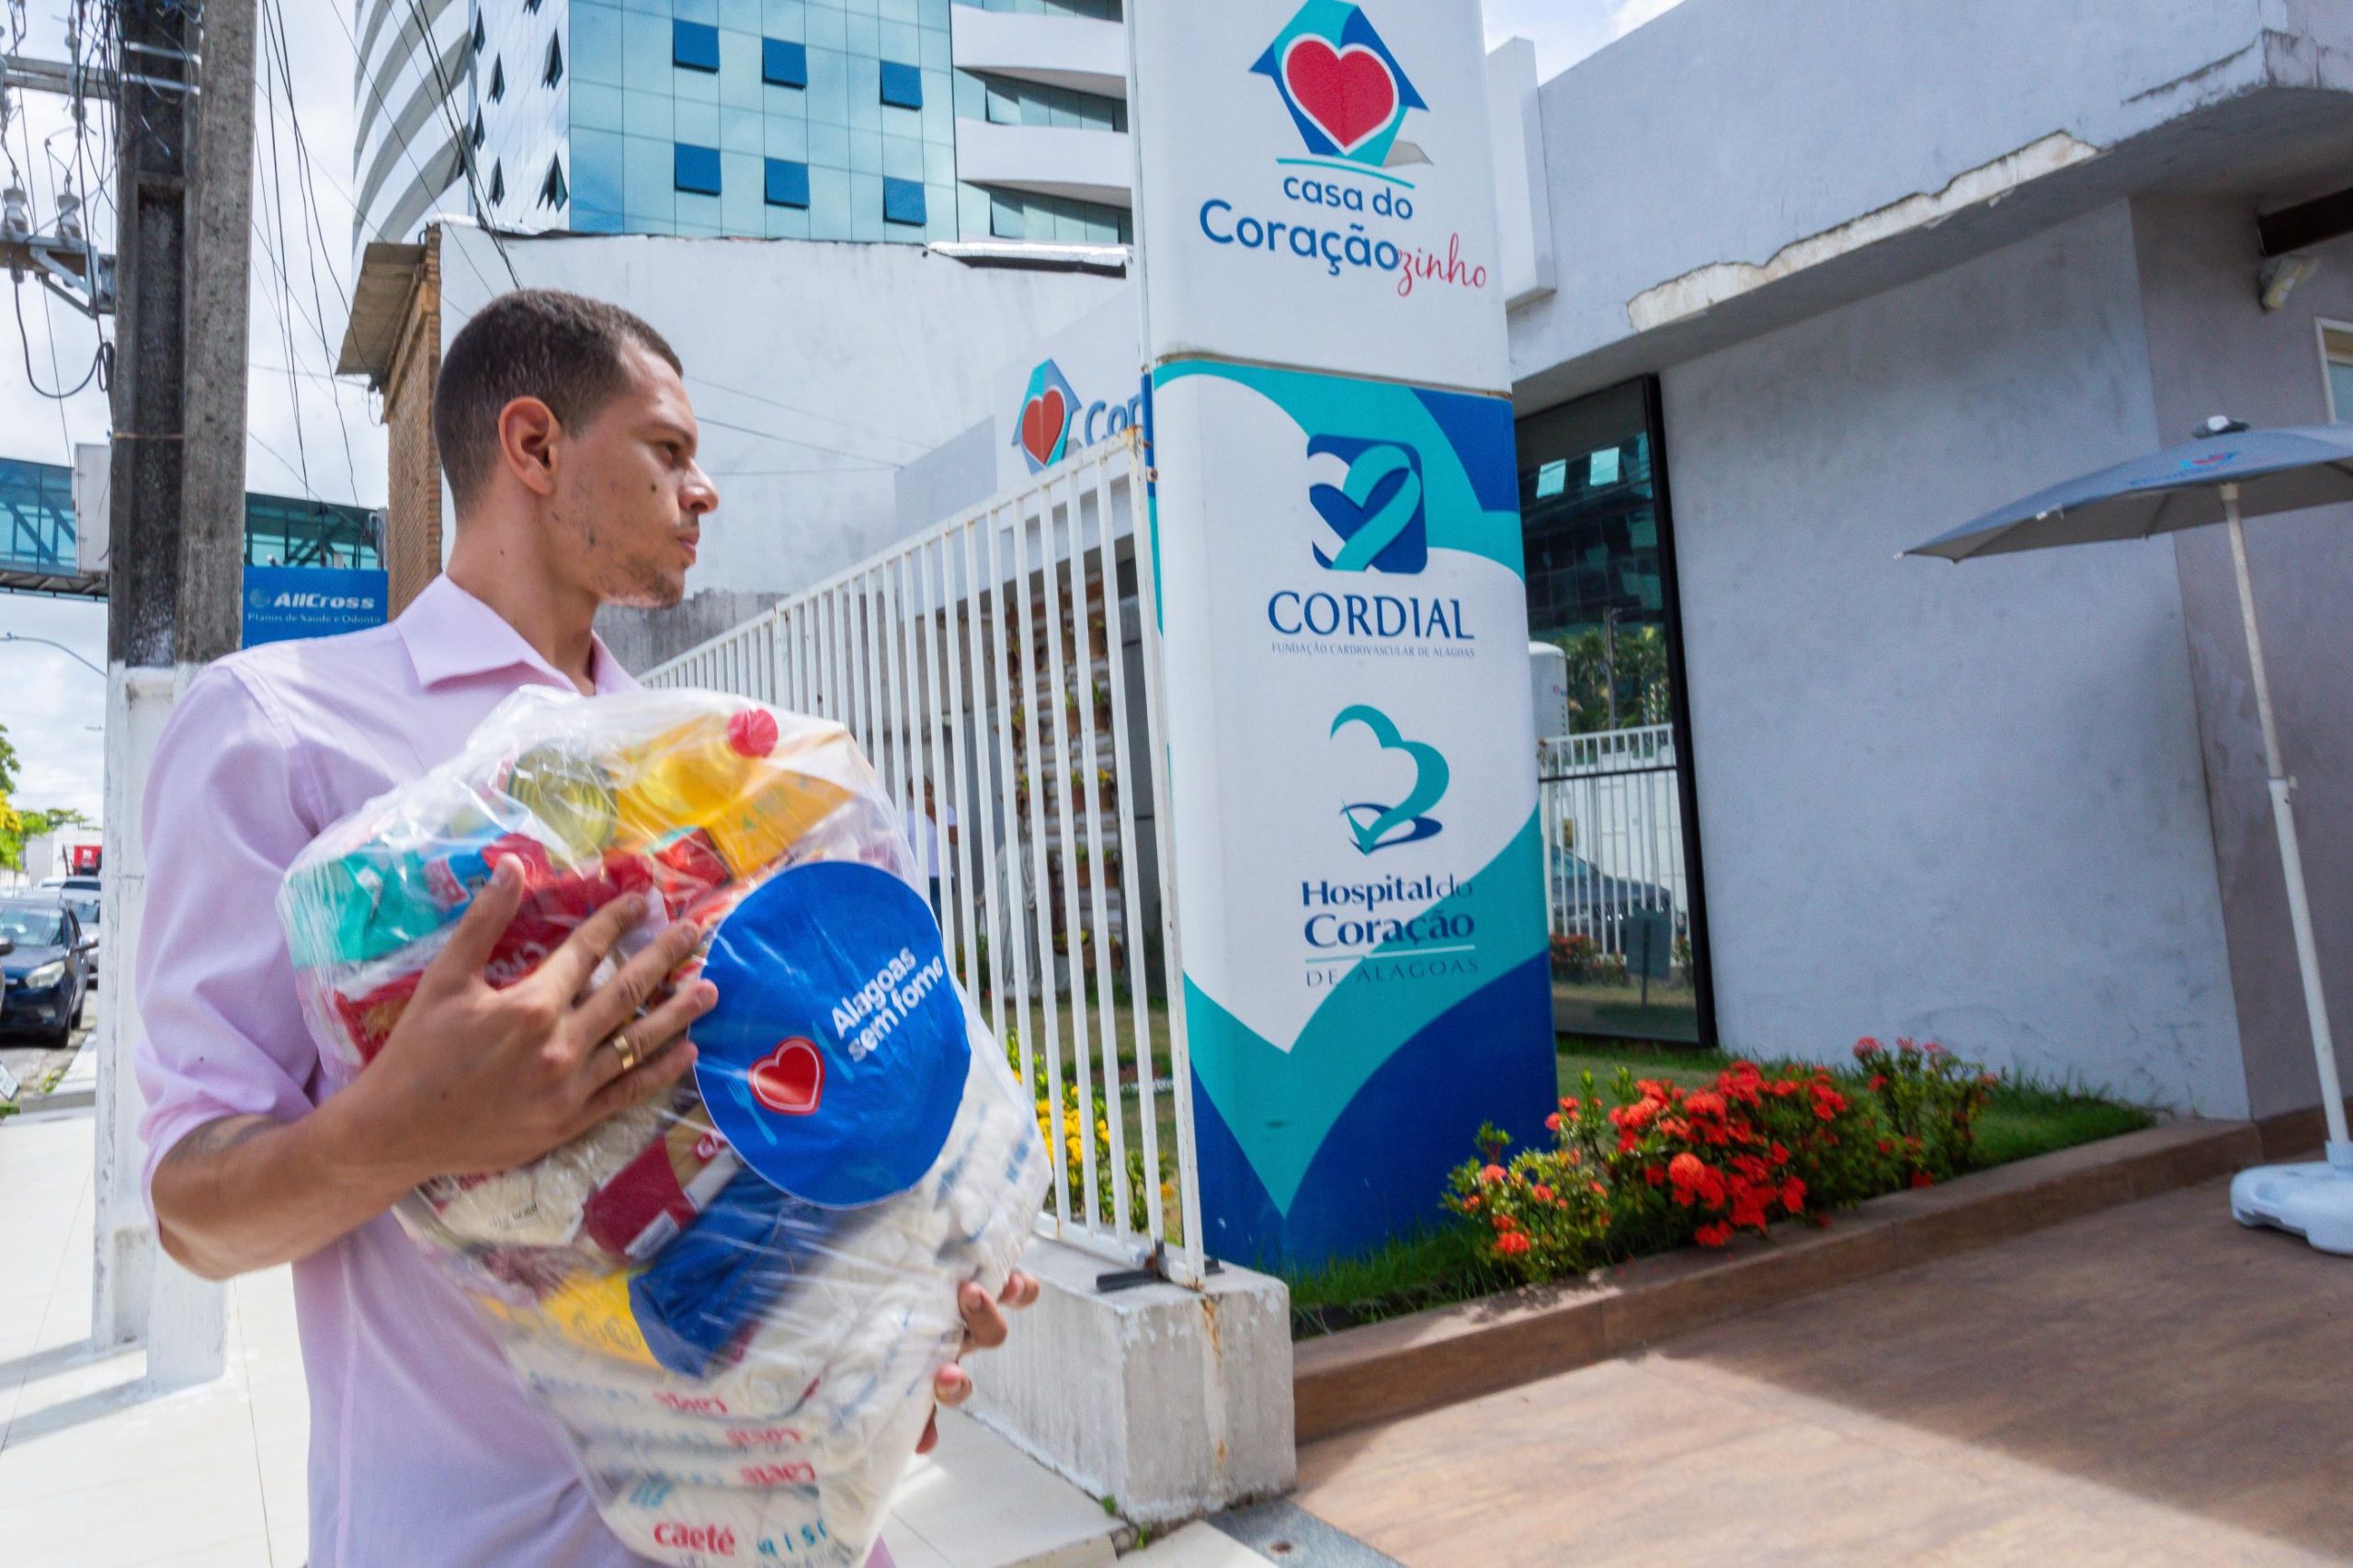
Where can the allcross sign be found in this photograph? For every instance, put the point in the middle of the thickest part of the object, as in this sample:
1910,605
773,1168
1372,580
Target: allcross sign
1337,527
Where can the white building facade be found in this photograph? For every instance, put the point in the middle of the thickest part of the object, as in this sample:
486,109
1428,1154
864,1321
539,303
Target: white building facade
920,121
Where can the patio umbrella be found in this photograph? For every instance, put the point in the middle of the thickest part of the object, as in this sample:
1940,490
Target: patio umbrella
2229,473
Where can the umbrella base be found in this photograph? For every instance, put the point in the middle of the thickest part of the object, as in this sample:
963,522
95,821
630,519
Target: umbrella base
2314,1200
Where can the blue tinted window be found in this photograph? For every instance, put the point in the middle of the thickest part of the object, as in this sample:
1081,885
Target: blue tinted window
693,46
696,168
783,63
902,84
903,202
788,183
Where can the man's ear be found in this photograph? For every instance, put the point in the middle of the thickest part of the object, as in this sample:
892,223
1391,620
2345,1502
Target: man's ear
527,433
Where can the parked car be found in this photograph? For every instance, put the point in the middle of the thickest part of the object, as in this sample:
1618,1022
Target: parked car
83,903
1617,914
44,968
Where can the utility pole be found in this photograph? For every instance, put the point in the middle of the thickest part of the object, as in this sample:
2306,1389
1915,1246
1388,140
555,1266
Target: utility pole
185,154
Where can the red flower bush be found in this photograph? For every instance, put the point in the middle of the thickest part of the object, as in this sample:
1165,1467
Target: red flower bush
1655,1165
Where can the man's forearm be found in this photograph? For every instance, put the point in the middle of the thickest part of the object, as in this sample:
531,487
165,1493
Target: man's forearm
249,1192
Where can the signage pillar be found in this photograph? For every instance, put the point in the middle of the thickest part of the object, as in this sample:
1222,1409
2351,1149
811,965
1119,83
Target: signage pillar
1336,536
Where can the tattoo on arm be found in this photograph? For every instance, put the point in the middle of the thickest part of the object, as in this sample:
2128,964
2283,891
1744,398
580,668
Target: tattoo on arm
216,1136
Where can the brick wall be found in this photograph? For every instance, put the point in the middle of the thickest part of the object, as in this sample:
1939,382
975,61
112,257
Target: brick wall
413,515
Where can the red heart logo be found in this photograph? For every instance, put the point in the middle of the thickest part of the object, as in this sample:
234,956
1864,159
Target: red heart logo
1042,418
1348,93
790,1079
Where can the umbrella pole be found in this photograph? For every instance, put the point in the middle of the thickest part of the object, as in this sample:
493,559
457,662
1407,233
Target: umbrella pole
2291,861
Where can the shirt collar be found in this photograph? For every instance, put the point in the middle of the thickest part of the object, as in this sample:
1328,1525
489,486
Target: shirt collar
450,634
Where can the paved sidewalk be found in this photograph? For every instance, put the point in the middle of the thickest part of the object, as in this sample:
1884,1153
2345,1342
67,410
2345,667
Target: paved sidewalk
2150,1384
98,1471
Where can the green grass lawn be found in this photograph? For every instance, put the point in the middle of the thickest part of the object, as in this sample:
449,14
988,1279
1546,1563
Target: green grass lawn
1442,1264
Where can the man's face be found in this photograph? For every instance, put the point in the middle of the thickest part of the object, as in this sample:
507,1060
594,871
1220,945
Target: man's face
629,492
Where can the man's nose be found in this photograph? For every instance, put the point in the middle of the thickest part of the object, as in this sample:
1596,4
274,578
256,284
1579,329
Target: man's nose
701,495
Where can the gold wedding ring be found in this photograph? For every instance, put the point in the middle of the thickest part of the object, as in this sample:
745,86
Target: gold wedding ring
625,1048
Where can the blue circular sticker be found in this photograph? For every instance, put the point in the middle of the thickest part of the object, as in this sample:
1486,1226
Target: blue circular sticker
836,1058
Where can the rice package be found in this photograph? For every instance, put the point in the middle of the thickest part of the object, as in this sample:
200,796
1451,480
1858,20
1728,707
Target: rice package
732,1301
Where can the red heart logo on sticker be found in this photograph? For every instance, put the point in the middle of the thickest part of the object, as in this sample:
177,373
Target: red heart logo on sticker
790,1079
1348,93
1042,418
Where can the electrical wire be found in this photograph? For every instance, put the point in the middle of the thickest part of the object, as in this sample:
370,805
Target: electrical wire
376,92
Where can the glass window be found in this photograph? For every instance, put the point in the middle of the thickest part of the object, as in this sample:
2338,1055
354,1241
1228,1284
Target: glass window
497,182
693,46
596,173
903,202
1009,102
553,190
482,36
695,169
595,44
1093,10
902,84
497,78
1017,215
1629,952
2336,351
788,183
554,71
784,63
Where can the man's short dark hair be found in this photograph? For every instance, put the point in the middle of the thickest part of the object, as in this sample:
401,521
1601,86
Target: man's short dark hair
568,351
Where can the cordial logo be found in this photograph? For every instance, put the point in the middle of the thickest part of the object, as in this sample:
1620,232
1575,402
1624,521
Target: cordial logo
1376,512
1375,826
1343,89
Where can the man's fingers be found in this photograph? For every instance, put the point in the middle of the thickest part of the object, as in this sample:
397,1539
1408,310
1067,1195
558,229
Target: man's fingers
568,968
641,1083
1020,1290
984,1323
616,1002
649,1034
476,934
952,1385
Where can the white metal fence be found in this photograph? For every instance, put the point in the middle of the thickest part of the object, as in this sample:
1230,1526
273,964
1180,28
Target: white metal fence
1612,815
1002,672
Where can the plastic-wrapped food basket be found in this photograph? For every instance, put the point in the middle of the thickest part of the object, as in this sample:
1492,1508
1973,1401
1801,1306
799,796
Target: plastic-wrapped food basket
732,1301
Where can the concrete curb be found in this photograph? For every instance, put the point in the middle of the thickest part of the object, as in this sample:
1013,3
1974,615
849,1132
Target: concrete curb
1449,1353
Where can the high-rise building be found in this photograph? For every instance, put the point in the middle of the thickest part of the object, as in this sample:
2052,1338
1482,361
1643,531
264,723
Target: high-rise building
909,120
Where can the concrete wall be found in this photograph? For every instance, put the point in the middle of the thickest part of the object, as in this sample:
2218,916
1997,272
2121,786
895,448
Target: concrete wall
1774,160
817,371
1961,802
2214,350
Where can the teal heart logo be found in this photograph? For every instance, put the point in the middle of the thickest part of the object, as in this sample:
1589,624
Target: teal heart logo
1375,826
1377,510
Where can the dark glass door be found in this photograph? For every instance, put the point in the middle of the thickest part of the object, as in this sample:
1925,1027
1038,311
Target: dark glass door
1621,854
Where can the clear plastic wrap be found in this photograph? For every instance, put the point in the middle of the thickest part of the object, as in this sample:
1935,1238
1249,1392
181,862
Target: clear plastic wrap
732,1301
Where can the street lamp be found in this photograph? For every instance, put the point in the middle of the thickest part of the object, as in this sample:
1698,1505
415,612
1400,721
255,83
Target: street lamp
19,637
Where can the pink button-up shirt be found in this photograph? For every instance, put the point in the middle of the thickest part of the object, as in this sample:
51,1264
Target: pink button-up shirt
424,1447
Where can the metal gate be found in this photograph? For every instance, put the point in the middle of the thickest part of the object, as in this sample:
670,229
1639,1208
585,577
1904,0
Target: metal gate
1002,672
1617,890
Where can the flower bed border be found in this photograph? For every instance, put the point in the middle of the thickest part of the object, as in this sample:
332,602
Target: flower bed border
1383,1370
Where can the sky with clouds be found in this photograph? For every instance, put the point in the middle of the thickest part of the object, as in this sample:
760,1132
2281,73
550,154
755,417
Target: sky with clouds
309,434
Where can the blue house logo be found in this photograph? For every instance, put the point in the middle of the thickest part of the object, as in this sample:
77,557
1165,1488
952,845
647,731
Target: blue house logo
1344,91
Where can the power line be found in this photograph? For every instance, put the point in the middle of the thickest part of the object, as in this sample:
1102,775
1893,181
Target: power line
447,101
376,91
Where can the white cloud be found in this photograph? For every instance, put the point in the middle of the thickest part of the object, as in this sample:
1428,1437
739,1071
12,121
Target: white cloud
47,702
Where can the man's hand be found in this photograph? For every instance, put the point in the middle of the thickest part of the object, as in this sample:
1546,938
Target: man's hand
984,1329
479,1078
473,1079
